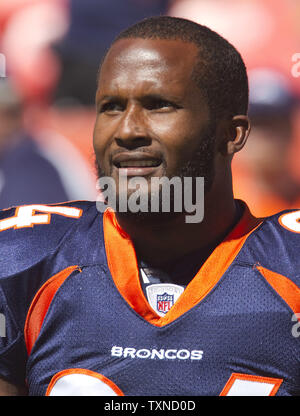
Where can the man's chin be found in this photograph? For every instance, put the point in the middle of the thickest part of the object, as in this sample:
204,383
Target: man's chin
148,218
148,207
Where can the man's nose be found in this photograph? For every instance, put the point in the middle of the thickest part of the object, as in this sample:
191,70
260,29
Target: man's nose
132,130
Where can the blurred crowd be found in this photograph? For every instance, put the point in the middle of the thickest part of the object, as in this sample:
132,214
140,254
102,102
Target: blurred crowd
52,51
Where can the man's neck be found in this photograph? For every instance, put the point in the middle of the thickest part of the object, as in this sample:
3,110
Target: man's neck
159,242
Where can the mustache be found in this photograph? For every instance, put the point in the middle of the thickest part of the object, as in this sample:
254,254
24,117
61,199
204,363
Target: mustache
144,150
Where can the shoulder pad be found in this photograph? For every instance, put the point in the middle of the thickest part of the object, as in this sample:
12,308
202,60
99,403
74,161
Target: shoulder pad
30,233
276,244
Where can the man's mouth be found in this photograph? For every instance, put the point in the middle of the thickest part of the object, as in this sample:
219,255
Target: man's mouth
136,164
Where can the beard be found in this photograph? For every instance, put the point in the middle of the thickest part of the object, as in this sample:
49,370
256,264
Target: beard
201,165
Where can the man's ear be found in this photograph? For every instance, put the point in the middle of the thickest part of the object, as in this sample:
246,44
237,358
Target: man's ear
237,132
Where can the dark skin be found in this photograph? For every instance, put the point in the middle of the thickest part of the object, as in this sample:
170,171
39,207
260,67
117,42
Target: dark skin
147,101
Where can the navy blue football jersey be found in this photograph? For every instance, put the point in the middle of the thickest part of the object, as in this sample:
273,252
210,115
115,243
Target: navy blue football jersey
74,319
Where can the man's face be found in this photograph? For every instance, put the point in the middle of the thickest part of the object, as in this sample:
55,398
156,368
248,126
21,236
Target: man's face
151,118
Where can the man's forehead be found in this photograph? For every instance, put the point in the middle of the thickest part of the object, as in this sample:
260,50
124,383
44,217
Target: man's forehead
150,52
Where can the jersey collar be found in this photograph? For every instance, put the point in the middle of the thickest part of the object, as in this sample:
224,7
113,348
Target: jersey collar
122,262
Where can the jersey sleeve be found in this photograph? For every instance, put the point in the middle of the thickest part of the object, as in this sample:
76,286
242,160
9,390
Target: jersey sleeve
29,238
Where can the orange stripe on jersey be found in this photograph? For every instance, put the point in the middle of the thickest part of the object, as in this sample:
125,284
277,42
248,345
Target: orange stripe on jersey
286,289
40,306
123,266
86,372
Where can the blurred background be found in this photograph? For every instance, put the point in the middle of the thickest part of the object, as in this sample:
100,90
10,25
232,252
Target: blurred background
50,52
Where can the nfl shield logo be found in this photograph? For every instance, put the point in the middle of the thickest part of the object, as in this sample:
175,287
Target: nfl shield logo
164,302
162,296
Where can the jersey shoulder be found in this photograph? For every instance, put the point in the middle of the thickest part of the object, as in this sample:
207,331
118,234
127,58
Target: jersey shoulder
30,233
282,228
275,244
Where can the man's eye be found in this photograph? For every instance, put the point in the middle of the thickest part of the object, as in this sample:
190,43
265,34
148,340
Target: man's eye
159,105
111,107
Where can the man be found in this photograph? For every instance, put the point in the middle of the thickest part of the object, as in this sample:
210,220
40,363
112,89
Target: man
149,303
